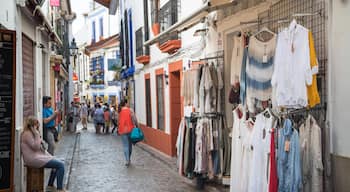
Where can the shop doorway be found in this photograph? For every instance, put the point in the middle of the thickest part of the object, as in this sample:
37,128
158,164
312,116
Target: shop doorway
175,107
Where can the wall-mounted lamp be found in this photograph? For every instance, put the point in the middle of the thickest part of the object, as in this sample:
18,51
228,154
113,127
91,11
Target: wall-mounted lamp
166,77
40,46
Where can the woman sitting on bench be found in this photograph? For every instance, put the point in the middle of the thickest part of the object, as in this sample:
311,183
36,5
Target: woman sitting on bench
34,154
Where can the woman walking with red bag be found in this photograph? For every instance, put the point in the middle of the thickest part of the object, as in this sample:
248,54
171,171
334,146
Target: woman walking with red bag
124,129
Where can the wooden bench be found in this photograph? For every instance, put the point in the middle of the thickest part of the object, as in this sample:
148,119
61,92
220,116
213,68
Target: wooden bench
35,179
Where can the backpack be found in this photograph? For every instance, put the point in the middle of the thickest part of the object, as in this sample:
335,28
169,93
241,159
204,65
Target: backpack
136,135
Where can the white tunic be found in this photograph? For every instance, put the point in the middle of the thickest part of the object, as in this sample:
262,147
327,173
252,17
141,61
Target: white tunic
247,156
292,67
311,155
236,59
236,150
258,180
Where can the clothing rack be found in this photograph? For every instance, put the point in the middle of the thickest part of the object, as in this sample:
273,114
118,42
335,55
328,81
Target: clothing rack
281,20
211,58
318,112
211,114
304,110
205,59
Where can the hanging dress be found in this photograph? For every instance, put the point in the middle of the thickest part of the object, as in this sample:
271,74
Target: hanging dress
237,148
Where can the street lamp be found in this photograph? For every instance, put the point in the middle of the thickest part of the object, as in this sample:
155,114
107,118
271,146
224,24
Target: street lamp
73,48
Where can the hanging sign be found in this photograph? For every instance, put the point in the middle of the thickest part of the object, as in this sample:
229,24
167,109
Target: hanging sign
55,3
7,105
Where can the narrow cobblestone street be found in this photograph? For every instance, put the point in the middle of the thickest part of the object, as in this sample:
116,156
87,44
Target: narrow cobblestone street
96,163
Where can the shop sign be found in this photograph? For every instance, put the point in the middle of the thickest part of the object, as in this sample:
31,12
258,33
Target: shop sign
7,106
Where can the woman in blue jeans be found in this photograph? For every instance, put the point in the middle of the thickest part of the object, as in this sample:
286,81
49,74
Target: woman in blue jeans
34,155
124,129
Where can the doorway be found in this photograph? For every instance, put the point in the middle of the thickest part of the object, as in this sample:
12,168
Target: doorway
175,107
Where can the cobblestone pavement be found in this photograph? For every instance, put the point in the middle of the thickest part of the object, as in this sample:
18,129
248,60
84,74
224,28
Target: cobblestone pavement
97,164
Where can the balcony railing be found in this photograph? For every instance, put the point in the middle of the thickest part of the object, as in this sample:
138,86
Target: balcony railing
139,42
168,16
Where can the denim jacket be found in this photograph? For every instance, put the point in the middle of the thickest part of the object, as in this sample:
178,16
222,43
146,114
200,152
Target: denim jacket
288,162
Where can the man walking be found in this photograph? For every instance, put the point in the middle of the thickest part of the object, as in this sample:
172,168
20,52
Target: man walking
74,115
49,124
84,115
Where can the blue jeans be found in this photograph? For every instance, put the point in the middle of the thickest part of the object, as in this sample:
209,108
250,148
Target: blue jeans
127,146
57,171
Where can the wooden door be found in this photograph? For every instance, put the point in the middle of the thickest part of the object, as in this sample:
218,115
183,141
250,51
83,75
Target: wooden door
175,107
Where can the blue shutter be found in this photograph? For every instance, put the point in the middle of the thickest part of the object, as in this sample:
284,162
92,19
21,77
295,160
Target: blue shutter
131,41
101,27
102,68
93,38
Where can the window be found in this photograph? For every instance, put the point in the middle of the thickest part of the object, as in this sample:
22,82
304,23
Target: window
167,18
168,15
121,45
154,11
160,102
101,27
126,36
146,27
148,101
93,38
139,42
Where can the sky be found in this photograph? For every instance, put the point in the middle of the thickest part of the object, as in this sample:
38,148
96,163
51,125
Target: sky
79,7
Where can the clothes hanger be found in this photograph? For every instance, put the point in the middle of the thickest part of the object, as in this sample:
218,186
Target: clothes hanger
267,113
251,121
266,30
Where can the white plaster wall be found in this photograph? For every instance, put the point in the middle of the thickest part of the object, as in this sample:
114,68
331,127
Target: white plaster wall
95,15
38,75
163,2
140,97
187,8
110,23
339,70
153,97
27,27
18,164
136,7
7,14
158,59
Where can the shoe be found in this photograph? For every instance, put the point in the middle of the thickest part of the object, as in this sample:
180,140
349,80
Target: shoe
51,189
127,164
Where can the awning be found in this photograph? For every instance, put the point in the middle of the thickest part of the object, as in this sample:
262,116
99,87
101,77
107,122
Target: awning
192,19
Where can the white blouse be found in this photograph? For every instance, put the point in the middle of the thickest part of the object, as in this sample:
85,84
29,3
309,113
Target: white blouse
236,59
239,126
261,140
292,70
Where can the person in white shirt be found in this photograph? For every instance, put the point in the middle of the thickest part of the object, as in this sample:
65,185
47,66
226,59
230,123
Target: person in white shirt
84,115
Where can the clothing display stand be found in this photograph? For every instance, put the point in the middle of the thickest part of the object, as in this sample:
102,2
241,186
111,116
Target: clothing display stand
311,15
